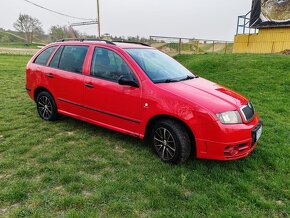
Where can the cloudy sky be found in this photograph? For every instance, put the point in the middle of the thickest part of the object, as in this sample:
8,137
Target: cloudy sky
207,19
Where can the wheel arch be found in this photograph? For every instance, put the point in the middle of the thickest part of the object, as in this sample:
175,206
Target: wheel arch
39,90
151,122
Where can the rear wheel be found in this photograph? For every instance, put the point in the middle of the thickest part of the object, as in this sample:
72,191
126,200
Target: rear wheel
46,106
170,141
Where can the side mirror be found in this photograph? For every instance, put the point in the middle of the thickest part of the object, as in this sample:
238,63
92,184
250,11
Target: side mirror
128,81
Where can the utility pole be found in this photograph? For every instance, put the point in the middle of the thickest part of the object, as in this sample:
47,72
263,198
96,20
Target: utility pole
99,23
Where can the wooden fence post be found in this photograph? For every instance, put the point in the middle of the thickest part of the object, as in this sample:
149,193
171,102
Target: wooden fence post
226,48
273,44
179,46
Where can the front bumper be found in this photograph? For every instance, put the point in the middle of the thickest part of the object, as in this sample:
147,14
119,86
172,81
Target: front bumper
234,141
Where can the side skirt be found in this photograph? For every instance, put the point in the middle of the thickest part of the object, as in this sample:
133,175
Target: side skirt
134,134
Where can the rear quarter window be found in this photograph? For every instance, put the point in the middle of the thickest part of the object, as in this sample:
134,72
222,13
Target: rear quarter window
43,57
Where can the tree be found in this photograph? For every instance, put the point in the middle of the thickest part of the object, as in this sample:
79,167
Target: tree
57,32
60,32
29,26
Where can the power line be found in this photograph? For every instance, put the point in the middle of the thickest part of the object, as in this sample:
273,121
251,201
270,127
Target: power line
56,12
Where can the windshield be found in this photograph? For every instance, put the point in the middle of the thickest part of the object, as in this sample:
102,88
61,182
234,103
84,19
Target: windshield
159,67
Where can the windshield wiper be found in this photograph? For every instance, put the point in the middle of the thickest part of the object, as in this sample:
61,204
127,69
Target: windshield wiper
177,80
167,81
188,78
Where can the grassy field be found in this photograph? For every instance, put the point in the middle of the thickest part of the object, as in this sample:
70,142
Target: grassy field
19,45
70,168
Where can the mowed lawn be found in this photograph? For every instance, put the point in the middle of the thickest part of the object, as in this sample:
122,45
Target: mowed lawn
69,168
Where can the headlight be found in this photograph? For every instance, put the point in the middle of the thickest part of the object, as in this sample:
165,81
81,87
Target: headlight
230,117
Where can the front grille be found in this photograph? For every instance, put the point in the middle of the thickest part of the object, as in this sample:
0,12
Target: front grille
248,111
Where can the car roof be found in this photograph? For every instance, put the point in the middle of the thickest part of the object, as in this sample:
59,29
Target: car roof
122,45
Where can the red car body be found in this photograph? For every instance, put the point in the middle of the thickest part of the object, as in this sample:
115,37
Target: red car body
130,110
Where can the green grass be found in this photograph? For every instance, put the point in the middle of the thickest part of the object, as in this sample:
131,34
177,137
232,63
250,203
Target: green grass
70,168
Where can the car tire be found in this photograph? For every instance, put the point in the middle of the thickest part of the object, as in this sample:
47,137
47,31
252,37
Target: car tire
170,140
46,106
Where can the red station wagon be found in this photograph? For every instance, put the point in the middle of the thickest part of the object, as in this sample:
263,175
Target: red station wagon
137,90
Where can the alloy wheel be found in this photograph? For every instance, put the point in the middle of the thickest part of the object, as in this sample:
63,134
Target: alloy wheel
44,107
164,144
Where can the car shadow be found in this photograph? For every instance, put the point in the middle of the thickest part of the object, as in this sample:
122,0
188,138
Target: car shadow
101,131
191,164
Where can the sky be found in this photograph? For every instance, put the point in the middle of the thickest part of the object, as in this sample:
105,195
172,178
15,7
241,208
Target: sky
203,19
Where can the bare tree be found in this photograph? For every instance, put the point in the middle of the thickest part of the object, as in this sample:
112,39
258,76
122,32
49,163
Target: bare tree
60,32
57,32
29,26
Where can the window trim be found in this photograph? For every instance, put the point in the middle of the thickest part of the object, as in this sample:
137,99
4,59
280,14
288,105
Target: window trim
107,79
49,58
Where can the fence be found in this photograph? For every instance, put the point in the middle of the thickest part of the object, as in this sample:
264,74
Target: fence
174,45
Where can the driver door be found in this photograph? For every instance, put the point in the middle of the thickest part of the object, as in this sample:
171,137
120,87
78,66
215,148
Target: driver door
106,102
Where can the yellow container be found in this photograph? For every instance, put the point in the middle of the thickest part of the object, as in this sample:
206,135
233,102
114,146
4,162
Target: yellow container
271,40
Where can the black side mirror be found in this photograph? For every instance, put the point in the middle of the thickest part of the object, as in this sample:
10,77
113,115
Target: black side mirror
128,81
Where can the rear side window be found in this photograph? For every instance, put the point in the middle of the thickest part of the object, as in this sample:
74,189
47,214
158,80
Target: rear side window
72,58
44,56
56,58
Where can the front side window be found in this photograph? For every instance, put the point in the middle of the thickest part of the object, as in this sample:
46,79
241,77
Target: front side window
44,56
108,65
158,66
72,58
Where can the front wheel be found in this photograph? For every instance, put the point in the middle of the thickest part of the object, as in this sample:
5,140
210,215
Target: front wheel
46,106
170,141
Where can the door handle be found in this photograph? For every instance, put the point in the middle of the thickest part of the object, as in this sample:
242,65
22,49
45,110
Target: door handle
89,85
49,75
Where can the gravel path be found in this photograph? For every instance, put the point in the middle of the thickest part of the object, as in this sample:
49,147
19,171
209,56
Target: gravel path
18,51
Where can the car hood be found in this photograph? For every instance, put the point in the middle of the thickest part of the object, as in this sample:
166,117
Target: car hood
206,94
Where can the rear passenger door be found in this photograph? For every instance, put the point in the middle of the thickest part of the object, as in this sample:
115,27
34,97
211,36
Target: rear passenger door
66,78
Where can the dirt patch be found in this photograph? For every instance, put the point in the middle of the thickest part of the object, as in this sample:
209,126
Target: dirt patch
5,176
5,210
285,52
86,193
120,150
